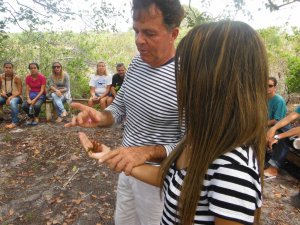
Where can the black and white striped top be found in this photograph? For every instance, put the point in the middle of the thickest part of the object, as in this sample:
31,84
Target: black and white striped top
232,190
148,98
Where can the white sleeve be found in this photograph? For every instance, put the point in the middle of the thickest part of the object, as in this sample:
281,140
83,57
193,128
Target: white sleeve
109,80
92,81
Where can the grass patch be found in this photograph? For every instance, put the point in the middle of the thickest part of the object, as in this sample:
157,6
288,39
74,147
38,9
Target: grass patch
7,138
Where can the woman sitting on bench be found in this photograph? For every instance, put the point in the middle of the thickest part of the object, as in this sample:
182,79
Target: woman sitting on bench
59,88
35,93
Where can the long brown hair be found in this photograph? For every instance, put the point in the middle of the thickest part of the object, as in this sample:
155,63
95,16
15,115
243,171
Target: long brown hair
60,76
221,76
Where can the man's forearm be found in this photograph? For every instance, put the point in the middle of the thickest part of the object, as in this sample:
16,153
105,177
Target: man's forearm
154,153
286,120
290,133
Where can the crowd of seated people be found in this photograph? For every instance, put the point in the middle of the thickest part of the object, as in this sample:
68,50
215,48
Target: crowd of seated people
103,90
57,87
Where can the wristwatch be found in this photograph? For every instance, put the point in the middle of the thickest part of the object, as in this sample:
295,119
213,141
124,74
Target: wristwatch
276,137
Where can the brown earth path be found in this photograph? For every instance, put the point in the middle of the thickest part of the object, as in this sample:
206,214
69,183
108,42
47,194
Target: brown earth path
46,178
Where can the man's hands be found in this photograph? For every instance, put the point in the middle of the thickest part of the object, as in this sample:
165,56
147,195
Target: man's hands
119,160
88,117
271,142
270,138
125,159
270,134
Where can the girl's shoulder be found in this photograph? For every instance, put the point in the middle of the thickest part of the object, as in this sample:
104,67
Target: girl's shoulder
241,158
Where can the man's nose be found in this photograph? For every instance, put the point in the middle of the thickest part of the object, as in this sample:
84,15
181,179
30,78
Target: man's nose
140,38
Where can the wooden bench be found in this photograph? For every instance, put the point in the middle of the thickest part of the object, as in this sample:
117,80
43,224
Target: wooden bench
50,110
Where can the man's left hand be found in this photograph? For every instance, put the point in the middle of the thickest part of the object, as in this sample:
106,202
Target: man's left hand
125,159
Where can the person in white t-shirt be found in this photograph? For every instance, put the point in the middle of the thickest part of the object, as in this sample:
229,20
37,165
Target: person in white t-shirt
100,86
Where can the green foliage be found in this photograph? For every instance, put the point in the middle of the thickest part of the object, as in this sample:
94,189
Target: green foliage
78,53
194,17
283,54
275,42
293,78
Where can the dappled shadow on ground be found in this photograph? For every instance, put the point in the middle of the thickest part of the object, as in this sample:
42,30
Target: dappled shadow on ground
47,178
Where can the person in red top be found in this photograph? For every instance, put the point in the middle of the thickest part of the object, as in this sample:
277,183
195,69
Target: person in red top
35,93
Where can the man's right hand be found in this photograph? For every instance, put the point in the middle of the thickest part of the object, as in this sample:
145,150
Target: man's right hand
88,117
271,142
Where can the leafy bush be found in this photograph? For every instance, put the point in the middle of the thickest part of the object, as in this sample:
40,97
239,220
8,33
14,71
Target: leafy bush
293,78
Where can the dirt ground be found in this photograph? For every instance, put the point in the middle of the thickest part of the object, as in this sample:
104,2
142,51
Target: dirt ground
47,178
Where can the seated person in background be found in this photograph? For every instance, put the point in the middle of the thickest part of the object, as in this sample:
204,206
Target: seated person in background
276,103
11,93
276,111
271,135
117,81
100,86
59,88
35,93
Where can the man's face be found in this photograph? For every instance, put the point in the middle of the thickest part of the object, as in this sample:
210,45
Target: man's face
152,38
271,87
121,71
8,69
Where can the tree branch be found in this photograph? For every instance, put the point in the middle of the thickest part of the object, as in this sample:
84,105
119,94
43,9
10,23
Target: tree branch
48,6
274,6
10,12
30,8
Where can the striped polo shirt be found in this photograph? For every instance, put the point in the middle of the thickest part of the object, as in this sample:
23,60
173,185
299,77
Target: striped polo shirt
232,190
148,99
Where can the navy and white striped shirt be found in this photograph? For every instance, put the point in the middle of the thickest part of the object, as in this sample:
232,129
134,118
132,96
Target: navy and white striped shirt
148,99
232,190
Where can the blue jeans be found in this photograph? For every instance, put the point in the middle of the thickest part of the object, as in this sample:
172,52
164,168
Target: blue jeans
37,107
13,106
58,103
280,151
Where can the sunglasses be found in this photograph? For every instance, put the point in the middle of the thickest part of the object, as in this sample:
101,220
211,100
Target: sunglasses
270,85
54,67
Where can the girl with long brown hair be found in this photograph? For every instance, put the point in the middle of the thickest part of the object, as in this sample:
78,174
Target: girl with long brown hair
214,175
59,90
